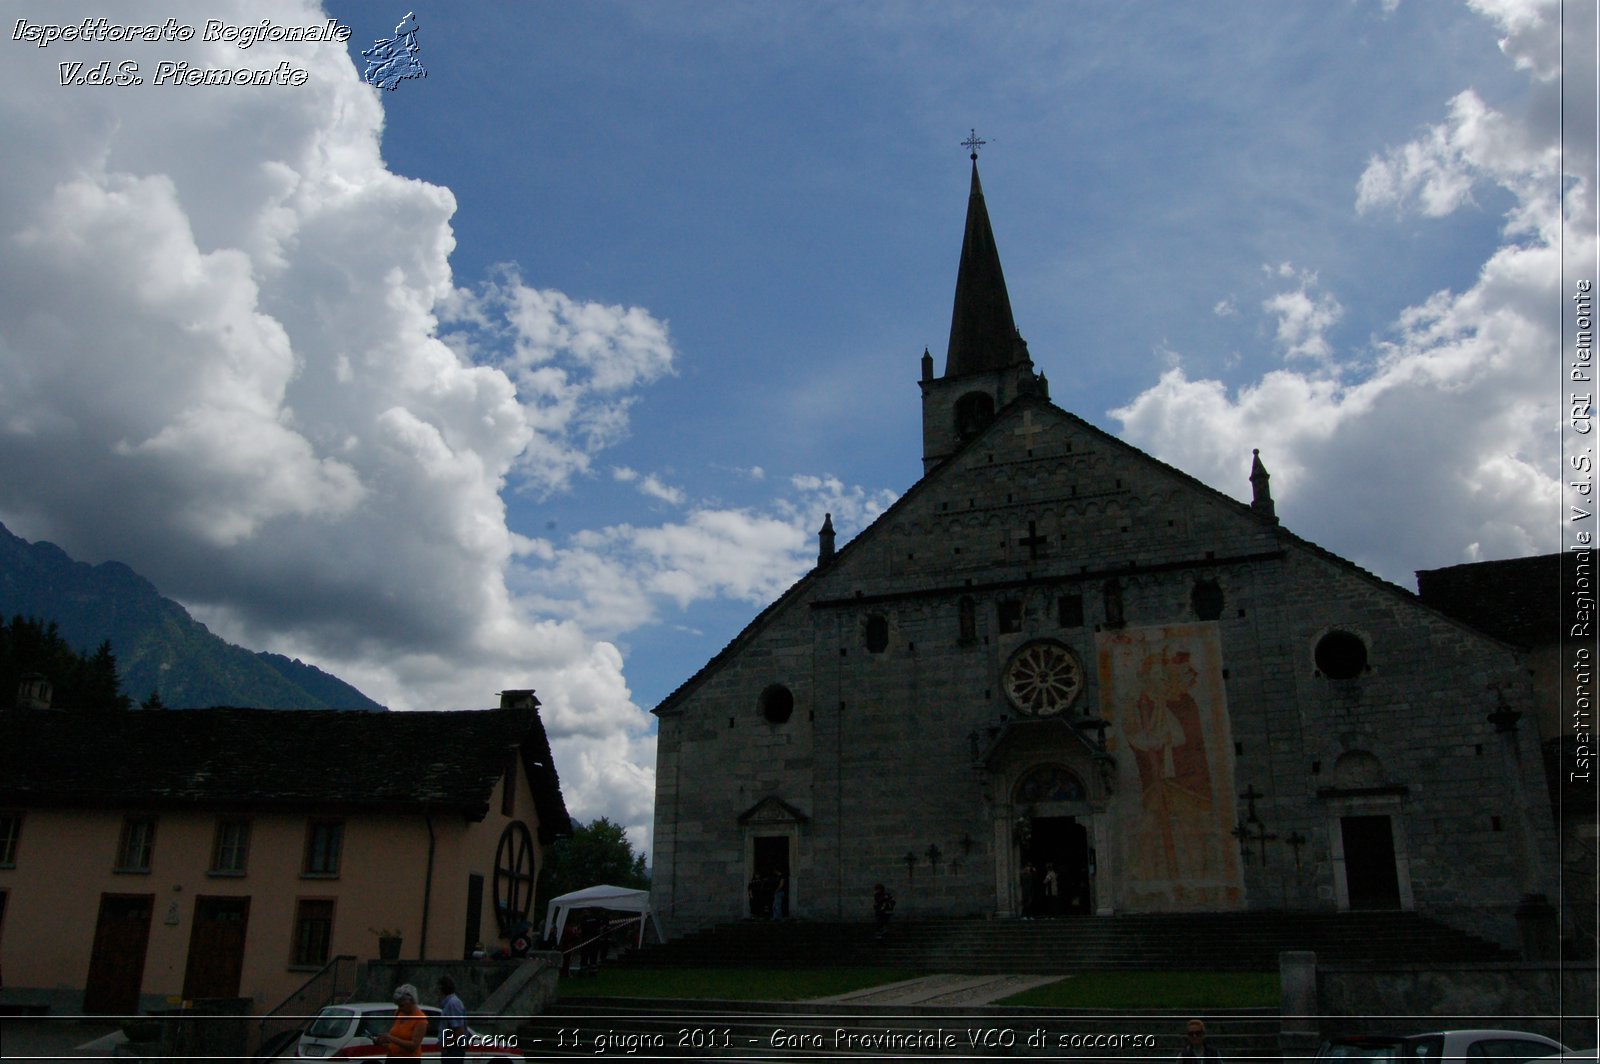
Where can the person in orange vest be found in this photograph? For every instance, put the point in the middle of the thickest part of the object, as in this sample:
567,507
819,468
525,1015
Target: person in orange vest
410,1025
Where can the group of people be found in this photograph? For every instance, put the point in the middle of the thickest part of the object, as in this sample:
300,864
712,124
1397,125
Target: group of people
585,942
769,895
404,1038
1042,892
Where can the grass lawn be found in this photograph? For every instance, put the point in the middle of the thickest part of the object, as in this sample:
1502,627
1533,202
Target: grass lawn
730,984
1155,990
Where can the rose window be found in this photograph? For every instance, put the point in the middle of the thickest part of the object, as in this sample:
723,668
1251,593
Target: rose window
1043,678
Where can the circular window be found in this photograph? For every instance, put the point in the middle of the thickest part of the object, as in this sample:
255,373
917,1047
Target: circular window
1043,677
777,703
1341,655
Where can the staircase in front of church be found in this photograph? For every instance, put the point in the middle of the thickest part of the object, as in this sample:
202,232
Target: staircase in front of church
1173,942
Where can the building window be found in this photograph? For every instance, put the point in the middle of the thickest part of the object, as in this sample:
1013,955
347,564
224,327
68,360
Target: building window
967,611
974,411
313,932
1069,611
10,831
324,844
1207,600
777,703
1008,615
231,848
876,634
1341,655
137,843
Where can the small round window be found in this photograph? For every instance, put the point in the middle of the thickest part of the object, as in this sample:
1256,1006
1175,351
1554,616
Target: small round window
1341,655
777,703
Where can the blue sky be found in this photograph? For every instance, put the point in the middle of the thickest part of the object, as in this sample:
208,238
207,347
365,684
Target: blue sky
542,371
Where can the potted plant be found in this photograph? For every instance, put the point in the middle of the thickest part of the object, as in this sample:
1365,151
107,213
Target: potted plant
388,943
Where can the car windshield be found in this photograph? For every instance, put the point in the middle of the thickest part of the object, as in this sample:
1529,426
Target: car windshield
330,1023
377,1022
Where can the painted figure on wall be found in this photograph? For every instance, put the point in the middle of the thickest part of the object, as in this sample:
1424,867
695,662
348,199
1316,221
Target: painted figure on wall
1169,748
1164,691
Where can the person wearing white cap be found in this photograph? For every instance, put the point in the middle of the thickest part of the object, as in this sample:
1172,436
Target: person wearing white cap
410,1025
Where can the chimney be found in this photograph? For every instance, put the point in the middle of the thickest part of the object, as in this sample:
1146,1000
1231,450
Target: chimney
518,700
33,692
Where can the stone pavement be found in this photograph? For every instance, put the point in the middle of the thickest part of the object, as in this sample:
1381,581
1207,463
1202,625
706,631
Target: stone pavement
950,990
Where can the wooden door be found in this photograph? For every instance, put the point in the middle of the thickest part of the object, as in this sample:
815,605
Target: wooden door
216,948
116,966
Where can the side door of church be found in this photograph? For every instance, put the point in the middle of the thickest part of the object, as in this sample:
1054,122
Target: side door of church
1370,876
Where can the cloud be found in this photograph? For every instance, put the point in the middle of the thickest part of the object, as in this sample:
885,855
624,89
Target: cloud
1439,443
626,576
1303,318
233,354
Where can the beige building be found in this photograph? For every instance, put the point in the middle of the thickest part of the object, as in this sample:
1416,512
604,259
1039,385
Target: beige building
153,856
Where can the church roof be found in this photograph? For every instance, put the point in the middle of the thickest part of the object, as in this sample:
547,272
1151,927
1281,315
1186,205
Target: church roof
1517,600
983,335
287,759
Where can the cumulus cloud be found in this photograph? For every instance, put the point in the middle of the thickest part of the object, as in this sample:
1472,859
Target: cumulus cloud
1304,317
233,354
625,576
1437,445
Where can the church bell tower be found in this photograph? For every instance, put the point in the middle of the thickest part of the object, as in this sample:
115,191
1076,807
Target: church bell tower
987,364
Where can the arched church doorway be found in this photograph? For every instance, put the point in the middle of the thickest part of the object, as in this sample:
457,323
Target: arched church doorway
1059,844
1371,878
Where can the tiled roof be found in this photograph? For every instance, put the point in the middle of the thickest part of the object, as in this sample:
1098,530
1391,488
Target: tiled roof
321,759
1517,600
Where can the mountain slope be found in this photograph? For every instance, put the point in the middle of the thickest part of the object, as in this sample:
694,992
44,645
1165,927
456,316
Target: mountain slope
159,647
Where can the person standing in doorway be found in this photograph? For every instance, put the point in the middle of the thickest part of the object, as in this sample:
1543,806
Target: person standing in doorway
1052,891
452,1022
780,896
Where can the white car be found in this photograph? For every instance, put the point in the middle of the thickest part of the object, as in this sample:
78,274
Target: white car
1470,1047
344,1032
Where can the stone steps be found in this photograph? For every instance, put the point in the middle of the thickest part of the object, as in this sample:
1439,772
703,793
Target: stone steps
1208,941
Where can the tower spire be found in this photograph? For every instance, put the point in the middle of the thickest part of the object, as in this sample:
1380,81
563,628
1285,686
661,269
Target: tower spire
983,335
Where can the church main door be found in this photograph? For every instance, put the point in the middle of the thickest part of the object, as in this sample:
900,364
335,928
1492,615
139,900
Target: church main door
1061,844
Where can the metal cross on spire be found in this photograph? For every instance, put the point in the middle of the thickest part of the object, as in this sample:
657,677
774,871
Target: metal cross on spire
972,143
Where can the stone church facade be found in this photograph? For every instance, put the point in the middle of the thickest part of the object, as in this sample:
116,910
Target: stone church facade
1056,652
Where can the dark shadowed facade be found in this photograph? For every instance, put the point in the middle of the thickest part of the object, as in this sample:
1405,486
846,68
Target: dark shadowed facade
1057,653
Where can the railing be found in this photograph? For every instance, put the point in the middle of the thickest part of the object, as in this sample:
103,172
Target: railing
335,982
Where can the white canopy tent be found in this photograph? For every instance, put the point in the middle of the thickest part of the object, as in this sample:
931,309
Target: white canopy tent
619,899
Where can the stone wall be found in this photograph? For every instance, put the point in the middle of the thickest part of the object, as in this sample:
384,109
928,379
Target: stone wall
1546,999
